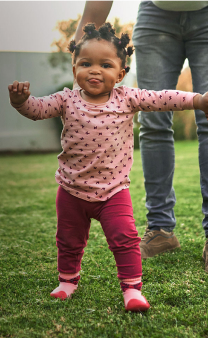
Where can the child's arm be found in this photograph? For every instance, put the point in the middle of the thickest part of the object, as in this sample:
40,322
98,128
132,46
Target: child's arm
19,92
164,100
35,108
201,102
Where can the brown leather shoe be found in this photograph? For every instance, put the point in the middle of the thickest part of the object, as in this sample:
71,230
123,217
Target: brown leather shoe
205,255
155,242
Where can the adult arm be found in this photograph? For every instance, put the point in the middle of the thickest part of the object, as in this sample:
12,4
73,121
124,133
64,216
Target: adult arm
94,11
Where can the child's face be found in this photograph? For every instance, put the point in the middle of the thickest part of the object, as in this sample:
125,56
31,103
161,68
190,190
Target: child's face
97,69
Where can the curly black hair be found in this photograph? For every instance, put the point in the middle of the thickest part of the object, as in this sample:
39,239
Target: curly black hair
105,32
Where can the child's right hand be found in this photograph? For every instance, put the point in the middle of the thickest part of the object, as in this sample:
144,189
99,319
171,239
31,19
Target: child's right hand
19,92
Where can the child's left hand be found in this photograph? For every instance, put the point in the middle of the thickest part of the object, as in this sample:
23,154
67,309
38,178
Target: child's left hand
201,102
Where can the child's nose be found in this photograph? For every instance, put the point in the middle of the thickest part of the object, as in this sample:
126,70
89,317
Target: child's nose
95,70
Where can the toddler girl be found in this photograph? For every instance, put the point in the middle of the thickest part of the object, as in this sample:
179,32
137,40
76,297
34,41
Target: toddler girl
94,166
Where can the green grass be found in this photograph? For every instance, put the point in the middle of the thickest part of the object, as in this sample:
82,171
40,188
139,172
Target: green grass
175,283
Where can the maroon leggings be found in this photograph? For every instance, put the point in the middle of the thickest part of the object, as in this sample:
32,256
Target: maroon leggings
116,218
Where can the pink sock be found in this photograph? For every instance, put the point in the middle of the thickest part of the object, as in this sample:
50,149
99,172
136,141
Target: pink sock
133,299
68,284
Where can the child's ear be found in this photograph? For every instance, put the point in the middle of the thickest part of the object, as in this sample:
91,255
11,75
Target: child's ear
121,75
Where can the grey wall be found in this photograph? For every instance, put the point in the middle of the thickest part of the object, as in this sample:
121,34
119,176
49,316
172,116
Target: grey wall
18,133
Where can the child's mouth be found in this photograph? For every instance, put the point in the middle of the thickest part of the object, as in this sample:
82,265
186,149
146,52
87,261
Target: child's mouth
94,81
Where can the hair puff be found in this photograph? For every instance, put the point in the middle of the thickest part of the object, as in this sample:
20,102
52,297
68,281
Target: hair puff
72,46
129,51
89,28
124,40
106,30
127,69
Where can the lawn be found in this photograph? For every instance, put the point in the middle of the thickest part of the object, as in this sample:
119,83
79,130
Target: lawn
174,283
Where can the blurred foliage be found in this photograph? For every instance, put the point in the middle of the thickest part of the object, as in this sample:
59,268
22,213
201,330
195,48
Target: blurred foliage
60,57
136,138
184,125
67,85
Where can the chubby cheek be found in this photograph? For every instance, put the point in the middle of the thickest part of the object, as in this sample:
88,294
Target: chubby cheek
112,79
112,82
79,78
77,73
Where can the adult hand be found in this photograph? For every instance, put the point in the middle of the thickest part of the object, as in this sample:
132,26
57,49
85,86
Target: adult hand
201,102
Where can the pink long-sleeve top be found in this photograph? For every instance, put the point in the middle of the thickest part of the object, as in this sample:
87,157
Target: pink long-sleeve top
97,140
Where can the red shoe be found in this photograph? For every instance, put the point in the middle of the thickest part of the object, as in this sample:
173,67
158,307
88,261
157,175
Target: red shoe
135,302
137,305
60,294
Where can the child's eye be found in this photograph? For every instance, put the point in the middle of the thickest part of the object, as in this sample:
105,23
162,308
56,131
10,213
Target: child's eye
86,64
106,65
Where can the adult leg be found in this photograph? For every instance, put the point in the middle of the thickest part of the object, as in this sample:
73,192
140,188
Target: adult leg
159,56
197,51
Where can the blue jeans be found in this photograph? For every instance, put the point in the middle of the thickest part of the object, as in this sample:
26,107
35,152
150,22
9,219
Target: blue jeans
163,40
